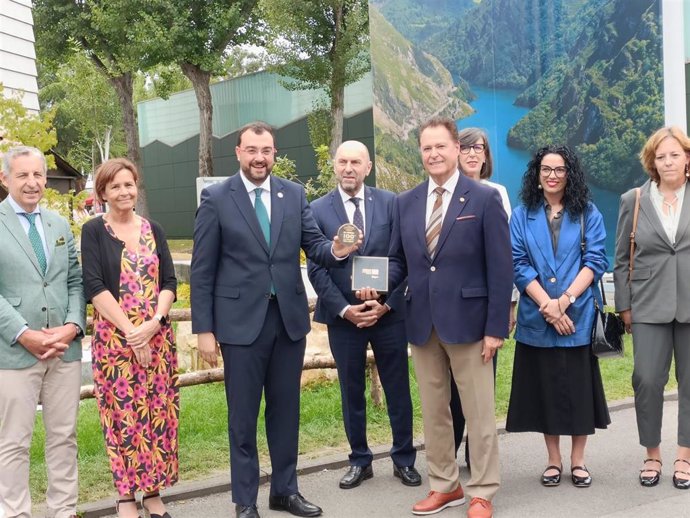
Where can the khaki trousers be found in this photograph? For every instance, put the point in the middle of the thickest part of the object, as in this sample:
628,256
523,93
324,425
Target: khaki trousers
475,382
57,384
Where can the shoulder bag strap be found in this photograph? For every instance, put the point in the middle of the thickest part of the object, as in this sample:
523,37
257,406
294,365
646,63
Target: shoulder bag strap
636,212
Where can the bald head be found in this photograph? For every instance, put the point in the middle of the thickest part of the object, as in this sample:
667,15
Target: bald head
351,165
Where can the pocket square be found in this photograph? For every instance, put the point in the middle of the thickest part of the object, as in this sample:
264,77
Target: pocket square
462,218
60,241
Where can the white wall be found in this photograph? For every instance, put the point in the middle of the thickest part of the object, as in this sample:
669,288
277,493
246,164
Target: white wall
17,54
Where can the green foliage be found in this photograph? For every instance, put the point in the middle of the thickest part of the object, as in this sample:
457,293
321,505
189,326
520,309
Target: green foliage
63,205
19,127
88,116
320,123
160,81
313,187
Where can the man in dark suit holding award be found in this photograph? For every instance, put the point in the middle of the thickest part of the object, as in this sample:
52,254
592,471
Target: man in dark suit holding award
451,241
353,325
248,295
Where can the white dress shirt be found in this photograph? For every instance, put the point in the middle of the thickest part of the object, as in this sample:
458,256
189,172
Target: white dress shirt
668,221
265,193
350,207
449,187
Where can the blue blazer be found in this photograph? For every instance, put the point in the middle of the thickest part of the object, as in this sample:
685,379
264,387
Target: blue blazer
233,266
464,292
533,258
334,285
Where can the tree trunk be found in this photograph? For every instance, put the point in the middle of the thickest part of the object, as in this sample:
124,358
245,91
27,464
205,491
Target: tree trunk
337,102
201,81
337,85
123,87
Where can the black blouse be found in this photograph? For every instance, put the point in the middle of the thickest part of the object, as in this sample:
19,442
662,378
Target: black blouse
101,255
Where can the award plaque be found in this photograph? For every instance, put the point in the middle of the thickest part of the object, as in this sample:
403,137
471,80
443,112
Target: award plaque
348,234
370,272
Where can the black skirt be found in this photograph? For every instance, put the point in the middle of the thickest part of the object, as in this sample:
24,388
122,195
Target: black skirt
556,391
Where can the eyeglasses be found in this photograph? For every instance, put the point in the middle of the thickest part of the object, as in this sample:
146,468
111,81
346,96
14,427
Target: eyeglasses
264,151
559,171
478,148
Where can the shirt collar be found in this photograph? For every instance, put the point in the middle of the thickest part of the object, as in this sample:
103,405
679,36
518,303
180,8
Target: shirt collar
654,191
18,208
346,197
449,186
252,187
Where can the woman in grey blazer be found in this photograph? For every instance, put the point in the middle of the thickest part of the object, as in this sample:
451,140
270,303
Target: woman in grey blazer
653,294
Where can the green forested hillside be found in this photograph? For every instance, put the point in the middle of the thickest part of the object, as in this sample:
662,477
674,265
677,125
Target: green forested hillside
409,87
606,97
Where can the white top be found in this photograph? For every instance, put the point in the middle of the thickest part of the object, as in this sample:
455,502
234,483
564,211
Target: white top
350,207
668,221
504,195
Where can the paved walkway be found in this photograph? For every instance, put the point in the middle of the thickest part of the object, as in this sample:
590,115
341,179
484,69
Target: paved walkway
613,457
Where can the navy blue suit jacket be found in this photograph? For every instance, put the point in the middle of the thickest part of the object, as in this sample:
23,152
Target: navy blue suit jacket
233,266
334,285
464,292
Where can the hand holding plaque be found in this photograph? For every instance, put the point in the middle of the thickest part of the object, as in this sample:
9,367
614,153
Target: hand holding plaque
370,272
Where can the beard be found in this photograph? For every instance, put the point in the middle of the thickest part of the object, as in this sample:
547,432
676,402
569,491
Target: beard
257,170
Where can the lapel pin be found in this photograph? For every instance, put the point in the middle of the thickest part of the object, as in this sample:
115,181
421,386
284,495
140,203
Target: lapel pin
280,195
462,199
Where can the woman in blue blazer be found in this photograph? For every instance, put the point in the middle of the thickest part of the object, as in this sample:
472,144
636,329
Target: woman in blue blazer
557,388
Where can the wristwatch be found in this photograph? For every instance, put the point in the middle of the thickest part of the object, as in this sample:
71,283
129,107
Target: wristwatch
162,319
571,298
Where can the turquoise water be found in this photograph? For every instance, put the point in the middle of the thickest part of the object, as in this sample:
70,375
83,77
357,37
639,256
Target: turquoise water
496,113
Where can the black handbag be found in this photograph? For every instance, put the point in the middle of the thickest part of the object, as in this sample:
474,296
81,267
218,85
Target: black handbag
607,331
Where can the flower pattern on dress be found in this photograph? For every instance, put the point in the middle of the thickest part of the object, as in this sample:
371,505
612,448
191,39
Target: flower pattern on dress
139,407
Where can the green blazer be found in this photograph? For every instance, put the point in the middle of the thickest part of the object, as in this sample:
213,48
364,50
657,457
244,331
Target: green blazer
28,297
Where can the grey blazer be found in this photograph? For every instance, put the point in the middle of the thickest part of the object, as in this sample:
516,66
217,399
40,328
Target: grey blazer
659,290
28,297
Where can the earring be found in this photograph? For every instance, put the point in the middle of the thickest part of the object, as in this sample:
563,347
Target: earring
539,187
687,174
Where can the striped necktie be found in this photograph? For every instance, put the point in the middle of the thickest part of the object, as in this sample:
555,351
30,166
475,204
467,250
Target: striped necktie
433,229
36,243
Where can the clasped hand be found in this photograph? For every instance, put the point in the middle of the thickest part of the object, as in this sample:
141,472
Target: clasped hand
49,342
365,314
553,315
139,339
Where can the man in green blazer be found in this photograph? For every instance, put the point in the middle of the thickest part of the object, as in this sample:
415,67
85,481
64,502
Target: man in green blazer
42,315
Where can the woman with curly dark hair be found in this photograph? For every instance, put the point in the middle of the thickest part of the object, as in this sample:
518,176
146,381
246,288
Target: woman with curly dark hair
557,388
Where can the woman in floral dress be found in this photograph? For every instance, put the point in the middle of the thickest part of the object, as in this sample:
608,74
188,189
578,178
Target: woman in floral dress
130,280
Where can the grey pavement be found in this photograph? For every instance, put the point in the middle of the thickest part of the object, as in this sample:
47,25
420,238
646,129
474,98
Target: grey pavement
613,457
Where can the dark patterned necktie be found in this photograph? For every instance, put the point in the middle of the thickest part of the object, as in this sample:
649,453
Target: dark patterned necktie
357,219
36,243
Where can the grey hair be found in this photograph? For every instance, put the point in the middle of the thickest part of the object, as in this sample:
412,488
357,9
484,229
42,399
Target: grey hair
18,151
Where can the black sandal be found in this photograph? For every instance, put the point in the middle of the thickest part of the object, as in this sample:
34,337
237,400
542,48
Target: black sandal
653,480
147,512
681,483
551,480
578,481
125,501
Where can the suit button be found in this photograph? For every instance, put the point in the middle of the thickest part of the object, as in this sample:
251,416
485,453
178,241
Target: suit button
433,268
673,252
45,284
44,308
552,280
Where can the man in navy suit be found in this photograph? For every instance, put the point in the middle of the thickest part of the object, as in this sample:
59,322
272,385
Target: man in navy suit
248,295
451,240
353,325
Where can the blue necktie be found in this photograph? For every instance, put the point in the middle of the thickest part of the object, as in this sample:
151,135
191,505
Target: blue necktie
357,219
264,223
262,215
36,243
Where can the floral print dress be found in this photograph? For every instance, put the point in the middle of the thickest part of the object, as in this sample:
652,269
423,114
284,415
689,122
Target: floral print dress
139,407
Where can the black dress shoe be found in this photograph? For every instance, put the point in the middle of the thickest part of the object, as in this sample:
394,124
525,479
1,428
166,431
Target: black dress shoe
681,483
294,504
246,511
355,475
551,480
578,481
408,475
653,479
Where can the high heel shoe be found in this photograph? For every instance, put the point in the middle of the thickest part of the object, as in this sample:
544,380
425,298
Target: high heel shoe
148,513
125,501
551,480
681,483
653,480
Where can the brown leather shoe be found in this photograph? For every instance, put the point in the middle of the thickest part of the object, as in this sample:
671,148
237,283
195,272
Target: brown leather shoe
480,508
436,501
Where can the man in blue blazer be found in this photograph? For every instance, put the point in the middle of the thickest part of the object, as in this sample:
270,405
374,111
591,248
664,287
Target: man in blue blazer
248,295
451,240
352,325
